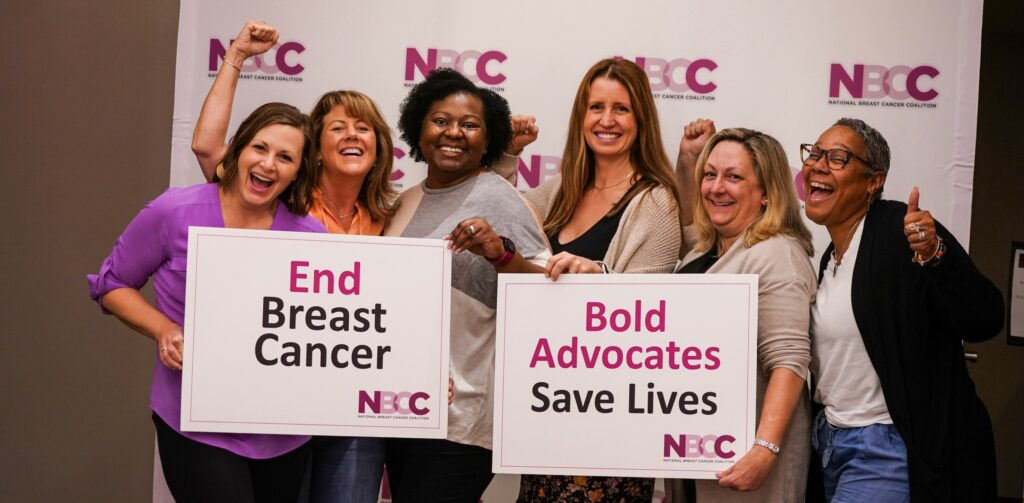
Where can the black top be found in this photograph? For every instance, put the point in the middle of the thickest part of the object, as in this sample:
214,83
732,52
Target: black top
912,319
592,244
700,265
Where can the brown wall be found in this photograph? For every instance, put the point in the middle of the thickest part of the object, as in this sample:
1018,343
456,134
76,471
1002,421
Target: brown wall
87,107
86,101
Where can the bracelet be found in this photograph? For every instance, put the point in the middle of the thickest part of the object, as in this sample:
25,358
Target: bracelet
940,250
774,449
232,65
604,267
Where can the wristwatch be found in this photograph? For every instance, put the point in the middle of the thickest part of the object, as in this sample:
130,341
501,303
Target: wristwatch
510,251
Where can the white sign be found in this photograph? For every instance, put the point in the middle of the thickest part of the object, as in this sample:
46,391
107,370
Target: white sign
322,334
624,375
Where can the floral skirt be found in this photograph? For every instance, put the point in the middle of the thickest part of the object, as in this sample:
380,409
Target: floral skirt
580,489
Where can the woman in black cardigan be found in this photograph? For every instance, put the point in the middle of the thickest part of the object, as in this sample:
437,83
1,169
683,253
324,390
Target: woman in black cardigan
900,419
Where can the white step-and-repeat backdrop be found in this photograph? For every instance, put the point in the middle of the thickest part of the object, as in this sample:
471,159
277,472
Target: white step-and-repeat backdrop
789,68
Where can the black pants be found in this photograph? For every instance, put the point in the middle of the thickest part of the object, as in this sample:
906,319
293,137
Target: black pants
202,473
437,471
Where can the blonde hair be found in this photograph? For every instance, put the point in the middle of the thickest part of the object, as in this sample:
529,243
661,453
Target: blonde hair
781,214
377,193
647,152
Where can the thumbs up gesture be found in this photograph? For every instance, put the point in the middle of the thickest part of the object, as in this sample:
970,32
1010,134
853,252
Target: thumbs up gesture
919,227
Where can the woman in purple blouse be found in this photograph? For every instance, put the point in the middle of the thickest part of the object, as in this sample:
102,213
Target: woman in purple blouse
267,184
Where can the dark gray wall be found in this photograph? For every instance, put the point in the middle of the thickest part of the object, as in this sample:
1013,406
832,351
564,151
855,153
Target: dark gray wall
997,218
87,100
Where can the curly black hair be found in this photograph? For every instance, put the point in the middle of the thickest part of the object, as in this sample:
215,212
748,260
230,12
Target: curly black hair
440,84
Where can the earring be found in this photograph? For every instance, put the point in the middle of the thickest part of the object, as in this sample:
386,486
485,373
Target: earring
764,201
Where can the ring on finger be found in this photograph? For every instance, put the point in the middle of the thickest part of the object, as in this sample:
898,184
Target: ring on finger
920,235
163,348
471,229
915,228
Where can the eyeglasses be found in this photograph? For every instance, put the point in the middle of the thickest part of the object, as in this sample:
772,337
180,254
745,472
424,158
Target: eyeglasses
837,158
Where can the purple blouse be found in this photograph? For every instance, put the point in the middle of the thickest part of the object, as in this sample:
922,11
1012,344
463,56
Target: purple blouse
155,245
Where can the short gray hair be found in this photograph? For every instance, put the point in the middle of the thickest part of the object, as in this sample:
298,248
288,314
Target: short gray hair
877,148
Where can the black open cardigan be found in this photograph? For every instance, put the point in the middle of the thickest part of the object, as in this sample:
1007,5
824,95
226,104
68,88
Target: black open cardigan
912,320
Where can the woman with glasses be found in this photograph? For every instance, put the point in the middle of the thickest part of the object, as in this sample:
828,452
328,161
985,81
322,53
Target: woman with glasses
901,420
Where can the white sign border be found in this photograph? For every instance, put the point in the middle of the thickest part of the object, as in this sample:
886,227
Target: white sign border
742,445
437,430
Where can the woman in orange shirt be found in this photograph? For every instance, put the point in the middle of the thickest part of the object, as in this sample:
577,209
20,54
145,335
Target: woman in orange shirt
352,143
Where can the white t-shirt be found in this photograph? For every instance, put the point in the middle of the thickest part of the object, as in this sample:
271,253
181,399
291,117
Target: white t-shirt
847,384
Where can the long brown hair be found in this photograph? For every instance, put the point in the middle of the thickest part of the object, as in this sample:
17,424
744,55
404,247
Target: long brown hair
376,193
647,153
298,195
781,213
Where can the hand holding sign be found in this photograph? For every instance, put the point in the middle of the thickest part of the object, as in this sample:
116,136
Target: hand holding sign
750,472
566,262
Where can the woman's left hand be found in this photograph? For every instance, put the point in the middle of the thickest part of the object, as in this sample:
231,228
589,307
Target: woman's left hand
566,262
750,472
478,237
919,227
524,132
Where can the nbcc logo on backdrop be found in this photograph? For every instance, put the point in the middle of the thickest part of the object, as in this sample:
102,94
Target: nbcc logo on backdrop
279,60
877,81
678,75
481,67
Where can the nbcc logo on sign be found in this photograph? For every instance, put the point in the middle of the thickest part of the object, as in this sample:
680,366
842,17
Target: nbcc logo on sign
390,402
477,66
699,446
271,62
877,81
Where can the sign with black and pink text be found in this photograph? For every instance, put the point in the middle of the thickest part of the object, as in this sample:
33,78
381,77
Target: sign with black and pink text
302,333
625,375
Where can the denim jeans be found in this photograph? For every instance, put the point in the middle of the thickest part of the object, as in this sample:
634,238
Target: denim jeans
345,470
868,463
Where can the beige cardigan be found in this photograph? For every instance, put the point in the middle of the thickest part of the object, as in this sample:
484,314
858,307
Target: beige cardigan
786,287
648,238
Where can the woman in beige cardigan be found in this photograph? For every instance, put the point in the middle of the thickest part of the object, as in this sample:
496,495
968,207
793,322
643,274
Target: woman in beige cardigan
614,208
747,221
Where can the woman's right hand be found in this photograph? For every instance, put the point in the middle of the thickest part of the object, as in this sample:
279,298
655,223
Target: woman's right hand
524,132
171,346
695,135
566,262
255,38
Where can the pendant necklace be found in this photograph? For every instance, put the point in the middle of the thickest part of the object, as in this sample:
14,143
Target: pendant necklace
849,237
628,176
334,210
